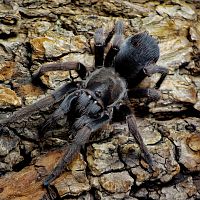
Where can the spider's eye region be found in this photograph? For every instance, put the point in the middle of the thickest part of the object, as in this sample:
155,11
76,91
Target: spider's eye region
99,44
98,93
116,48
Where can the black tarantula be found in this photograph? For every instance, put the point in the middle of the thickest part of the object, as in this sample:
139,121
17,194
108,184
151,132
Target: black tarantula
106,89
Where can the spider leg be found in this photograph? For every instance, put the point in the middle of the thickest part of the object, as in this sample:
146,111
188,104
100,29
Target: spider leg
131,121
65,66
79,140
99,45
63,109
116,43
132,125
152,69
52,193
47,101
118,28
150,93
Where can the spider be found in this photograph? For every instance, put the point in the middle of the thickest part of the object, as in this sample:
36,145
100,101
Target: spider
106,90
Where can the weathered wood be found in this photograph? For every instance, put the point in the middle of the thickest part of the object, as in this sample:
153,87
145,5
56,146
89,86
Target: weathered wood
111,167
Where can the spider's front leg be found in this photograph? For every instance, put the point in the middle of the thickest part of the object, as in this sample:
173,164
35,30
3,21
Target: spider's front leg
79,140
42,103
63,109
55,96
61,66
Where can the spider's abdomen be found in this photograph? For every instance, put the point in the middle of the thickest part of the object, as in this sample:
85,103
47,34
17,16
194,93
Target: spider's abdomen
135,53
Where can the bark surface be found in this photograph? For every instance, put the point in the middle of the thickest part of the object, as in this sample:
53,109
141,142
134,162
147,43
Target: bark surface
33,33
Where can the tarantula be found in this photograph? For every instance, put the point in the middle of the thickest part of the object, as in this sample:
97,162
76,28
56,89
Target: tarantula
106,89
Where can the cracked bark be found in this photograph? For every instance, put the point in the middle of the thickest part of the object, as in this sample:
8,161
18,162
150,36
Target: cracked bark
110,167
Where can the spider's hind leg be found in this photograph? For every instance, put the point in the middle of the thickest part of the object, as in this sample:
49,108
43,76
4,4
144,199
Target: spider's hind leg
116,43
150,93
99,46
152,69
101,42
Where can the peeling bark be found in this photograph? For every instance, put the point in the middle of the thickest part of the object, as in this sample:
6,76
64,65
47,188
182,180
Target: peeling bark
110,167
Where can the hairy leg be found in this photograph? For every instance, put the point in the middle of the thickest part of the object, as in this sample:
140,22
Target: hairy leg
152,69
99,46
116,43
101,41
65,66
131,121
63,109
132,125
47,101
79,140
150,93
